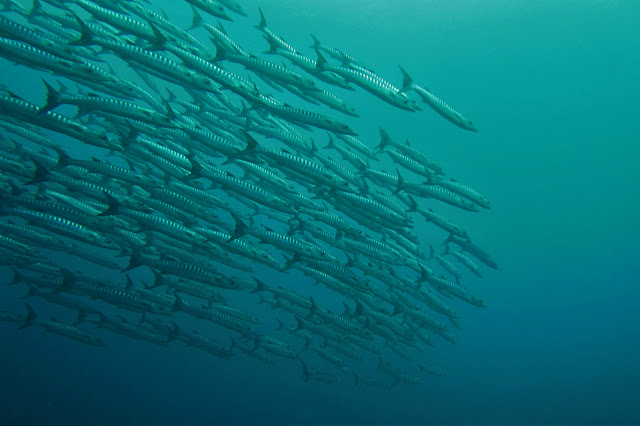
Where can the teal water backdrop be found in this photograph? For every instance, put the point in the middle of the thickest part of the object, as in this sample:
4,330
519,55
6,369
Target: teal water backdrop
553,88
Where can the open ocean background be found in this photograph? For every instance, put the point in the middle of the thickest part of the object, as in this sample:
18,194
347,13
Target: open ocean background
554,88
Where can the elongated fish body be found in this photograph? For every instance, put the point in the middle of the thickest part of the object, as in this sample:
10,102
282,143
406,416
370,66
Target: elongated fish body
267,176
470,264
217,74
61,329
437,104
308,117
297,164
112,106
204,343
474,250
293,245
218,33
308,65
448,266
191,288
121,21
375,86
212,7
333,52
52,44
157,64
346,174
433,217
213,315
234,6
410,164
452,289
406,149
26,54
260,66
281,292
353,158
65,227
333,102
357,145
123,327
432,191
375,208
253,192
23,110
189,42
463,190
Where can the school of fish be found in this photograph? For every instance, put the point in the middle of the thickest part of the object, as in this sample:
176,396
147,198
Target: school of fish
160,192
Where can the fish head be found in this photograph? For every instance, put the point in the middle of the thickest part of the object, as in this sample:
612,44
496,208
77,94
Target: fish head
92,340
309,84
106,242
467,124
414,104
349,110
400,100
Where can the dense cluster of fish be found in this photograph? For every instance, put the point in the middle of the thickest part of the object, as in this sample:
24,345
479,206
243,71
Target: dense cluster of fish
159,190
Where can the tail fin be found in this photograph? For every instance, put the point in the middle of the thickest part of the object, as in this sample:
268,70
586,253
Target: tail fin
385,140
259,286
240,228
273,47
221,51
299,324
114,206
17,277
134,261
321,63
355,379
407,82
252,144
63,159
30,318
425,274
294,259
196,168
331,144
432,252
87,37
53,98
402,184
316,42
196,21
36,10
313,308
129,284
160,40
40,174
414,205
263,22
81,317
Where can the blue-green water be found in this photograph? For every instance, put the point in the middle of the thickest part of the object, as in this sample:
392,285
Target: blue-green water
553,88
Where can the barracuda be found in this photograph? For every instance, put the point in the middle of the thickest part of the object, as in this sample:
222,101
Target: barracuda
375,86
436,103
